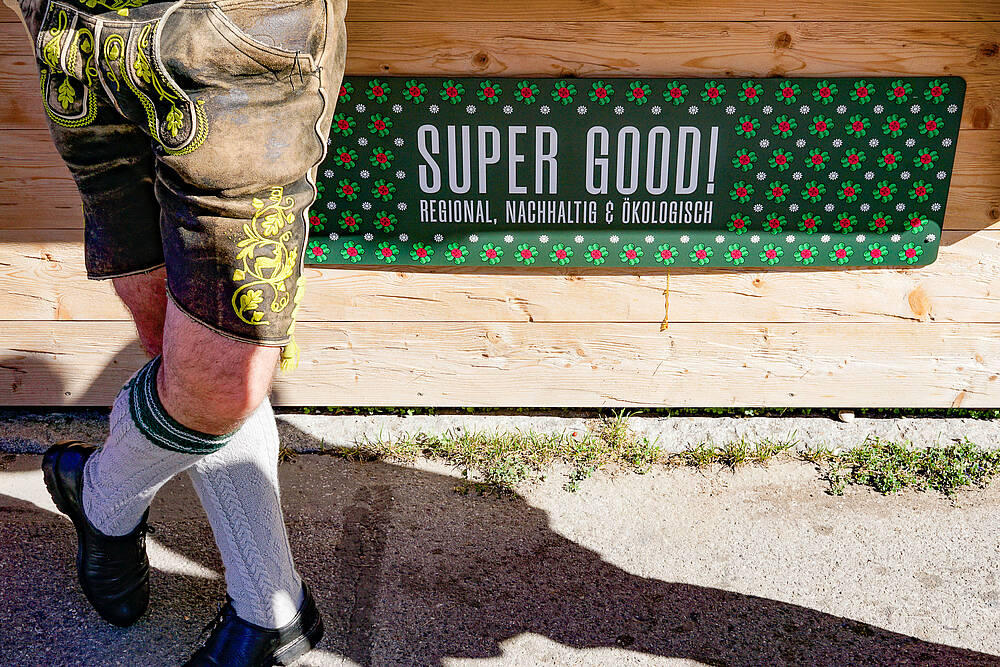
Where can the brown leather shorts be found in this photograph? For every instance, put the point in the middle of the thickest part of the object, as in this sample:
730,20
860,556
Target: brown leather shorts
193,129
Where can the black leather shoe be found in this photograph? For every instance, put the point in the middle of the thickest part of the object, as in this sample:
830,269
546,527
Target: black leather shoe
238,643
113,570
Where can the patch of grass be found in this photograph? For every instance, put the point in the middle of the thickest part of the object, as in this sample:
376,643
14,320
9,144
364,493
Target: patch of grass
732,454
497,463
501,461
819,454
888,467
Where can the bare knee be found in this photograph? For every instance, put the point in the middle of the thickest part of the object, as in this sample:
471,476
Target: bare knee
209,382
145,296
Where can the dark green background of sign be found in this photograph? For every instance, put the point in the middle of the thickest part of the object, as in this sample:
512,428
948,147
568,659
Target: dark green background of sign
635,245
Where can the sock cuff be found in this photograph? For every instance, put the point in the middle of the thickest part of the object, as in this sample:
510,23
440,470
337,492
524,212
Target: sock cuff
160,428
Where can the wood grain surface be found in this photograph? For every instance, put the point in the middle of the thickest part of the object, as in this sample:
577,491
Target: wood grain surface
887,337
541,363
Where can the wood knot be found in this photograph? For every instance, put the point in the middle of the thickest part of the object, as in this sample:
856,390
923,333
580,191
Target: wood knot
919,303
385,68
989,49
981,118
783,40
481,59
994,213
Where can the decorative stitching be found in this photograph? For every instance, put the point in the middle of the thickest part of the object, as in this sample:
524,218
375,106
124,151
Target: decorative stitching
138,67
262,233
81,43
142,69
119,6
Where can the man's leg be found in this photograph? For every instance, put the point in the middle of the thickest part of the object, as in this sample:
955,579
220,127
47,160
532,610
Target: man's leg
210,382
214,388
237,485
145,296
231,383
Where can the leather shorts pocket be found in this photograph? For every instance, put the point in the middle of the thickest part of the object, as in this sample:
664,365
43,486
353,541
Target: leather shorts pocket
267,55
276,34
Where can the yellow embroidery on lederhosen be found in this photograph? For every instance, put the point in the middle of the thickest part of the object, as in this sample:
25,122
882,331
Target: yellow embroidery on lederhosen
260,271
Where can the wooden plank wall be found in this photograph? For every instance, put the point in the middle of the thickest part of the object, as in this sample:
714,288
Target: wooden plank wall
923,337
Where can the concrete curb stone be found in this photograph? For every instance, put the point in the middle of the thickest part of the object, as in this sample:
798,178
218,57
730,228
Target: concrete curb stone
33,432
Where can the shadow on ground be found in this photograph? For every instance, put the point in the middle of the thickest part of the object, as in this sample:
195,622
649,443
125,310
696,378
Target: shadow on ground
408,572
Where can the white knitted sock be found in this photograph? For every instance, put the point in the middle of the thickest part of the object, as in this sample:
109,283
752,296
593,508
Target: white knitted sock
238,487
145,448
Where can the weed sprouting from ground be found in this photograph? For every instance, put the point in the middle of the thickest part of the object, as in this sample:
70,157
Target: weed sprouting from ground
500,462
732,454
888,467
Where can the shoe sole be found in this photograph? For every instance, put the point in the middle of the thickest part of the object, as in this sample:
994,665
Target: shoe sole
49,463
302,645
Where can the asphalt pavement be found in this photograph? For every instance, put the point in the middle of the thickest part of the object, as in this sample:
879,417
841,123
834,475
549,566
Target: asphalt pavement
675,567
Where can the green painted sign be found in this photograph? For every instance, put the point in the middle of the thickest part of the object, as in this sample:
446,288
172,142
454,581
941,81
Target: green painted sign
723,173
